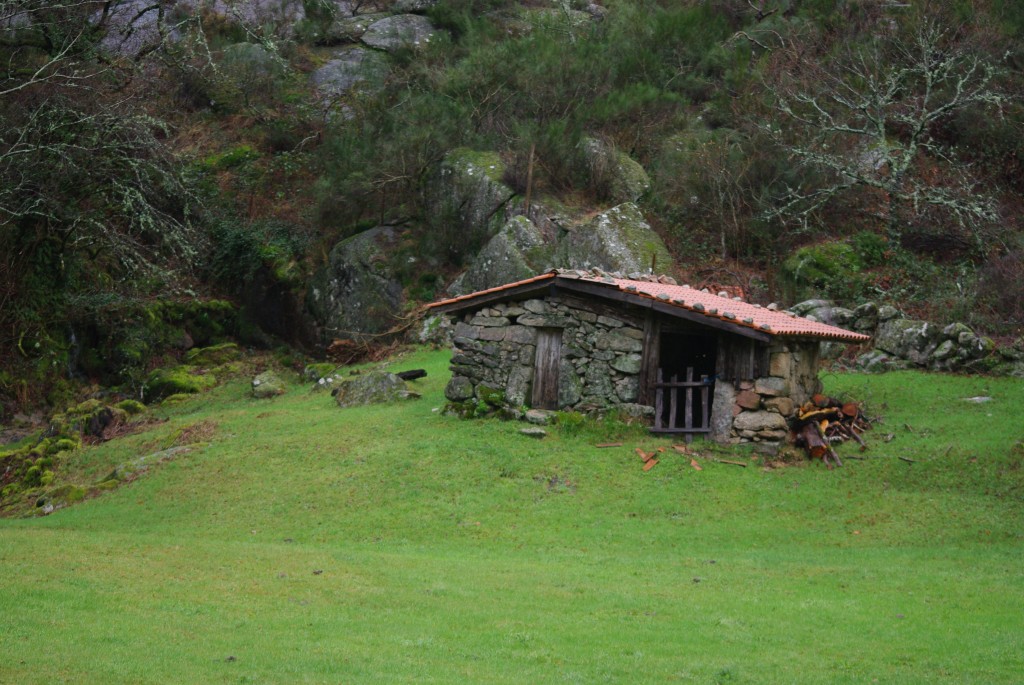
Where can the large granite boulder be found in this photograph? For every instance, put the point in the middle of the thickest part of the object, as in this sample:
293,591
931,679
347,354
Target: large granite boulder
908,339
349,68
516,252
399,32
467,195
346,28
624,178
378,387
357,290
619,239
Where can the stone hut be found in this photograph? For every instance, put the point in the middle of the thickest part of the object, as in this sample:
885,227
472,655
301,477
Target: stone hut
694,362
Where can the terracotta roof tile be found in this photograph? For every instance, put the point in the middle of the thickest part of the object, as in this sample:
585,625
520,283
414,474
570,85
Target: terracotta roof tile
712,306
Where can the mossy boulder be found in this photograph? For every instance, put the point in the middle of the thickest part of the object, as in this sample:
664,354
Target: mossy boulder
267,384
358,289
515,253
467,196
177,380
314,372
619,239
377,387
174,400
215,355
351,68
131,407
399,32
60,497
621,177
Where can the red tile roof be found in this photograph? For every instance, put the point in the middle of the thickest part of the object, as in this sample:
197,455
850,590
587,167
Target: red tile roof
771,322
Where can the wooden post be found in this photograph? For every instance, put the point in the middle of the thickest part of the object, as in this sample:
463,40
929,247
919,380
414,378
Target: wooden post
673,405
704,422
658,403
688,407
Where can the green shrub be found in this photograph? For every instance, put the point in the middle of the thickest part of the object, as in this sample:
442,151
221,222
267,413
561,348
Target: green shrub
830,269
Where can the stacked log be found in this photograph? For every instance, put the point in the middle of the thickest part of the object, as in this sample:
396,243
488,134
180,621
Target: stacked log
825,420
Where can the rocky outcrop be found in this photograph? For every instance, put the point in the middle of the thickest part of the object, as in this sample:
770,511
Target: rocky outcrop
901,343
399,32
624,178
346,28
619,239
468,196
135,25
516,252
349,68
357,291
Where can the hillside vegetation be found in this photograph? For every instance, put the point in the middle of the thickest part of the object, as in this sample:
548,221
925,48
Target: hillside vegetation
300,542
177,176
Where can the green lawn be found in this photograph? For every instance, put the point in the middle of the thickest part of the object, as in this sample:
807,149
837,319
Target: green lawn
311,544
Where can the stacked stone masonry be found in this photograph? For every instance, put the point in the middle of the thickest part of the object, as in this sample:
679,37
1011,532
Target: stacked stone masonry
495,349
762,407
600,367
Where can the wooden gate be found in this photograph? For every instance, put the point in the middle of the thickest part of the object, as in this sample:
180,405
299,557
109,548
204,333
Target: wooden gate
695,419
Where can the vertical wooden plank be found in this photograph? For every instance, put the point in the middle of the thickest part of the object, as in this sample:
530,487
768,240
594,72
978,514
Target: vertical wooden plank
674,405
546,362
722,360
704,423
650,359
659,394
688,408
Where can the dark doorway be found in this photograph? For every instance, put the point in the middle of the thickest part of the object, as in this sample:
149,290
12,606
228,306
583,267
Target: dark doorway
684,387
545,369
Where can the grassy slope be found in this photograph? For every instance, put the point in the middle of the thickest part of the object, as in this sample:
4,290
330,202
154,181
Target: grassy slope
458,551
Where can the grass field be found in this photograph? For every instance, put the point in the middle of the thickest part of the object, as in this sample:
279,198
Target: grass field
309,544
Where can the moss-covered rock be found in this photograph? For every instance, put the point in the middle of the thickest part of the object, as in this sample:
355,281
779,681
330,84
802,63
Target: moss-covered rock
358,289
491,396
619,239
513,254
267,384
131,407
174,400
314,372
215,355
178,380
372,388
621,177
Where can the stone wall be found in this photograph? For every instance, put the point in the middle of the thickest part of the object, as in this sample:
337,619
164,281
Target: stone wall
902,343
761,407
495,349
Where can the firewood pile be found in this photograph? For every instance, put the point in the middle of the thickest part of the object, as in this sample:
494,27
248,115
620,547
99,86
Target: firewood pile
824,421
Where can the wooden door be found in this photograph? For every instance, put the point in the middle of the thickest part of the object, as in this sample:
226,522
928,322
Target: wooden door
545,370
